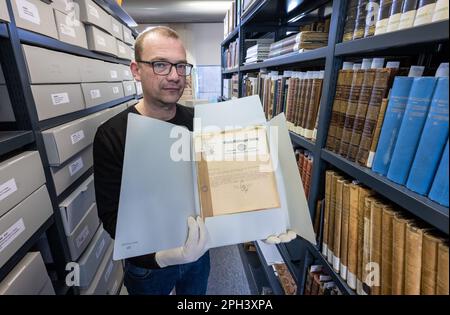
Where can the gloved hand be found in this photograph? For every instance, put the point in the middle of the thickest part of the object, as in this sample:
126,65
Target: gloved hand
281,238
192,250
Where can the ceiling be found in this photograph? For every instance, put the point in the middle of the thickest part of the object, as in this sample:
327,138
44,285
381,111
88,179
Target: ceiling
176,11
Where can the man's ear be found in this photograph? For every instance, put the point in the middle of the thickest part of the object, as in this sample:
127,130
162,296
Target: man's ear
135,70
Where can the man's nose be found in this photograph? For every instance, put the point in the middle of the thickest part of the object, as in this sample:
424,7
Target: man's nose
173,74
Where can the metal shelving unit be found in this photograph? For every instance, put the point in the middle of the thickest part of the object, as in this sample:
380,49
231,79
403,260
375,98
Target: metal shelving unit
230,37
231,71
417,41
13,140
3,30
270,274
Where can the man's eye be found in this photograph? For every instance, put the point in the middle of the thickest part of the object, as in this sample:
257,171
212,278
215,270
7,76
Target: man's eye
160,65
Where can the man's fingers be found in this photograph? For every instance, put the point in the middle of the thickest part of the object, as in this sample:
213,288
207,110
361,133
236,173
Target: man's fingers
203,237
192,233
272,240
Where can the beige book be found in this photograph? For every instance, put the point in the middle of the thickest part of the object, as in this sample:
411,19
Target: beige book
386,250
363,194
442,270
338,225
440,11
425,11
413,258
352,252
398,254
345,225
330,254
328,183
430,247
374,280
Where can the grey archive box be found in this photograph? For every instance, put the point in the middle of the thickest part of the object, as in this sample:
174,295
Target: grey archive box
22,221
112,71
20,176
6,110
28,277
79,239
47,66
4,16
99,93
127,36
56,100
129,88
64,6
101,41
93,255
116,28
123,50
66,174
36,16
126,74
64,141
70,31
92,70
77,204
91,13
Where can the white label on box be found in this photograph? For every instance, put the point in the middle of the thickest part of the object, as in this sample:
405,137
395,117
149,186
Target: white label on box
95,94
93,11
109,270
81,238
121,49
76,166
100,40
126,73
115,90
116,28
28,11
8,188
60,98
113,74
77,136
67,30
129,88
11,234
100,249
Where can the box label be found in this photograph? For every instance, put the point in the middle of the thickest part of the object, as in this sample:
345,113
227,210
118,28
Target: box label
126,73
28,11
115,28
109,270
95,94
81,238
93,11
115,90
76,166
121,49
100,249
77,136
100,40
113,74
8,188
60,98
67,30
11,234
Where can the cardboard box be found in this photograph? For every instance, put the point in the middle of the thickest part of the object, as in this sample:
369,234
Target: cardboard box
100,41
92,257
6,110
66,174
64,6
116,28
28,277
127,35
70,31
79,239
113,72
22,221
129,88
292,212
91,13
64,141
92,70
35,16
4,15
126,74
56,100
77,204
100,93
47,66
123,50
20,176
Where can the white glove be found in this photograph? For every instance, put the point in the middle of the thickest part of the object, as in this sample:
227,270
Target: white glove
281,238
192,250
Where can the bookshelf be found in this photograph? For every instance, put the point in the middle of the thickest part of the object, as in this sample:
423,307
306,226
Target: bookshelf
13,140
270,16
3,30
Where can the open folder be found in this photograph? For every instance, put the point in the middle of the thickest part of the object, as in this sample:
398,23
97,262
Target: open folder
162,182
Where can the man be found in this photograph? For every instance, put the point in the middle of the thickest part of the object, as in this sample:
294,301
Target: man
162,68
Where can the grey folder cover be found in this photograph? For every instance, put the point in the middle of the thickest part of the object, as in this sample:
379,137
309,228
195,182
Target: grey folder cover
21,222
74,207
20,176
92,257
28,277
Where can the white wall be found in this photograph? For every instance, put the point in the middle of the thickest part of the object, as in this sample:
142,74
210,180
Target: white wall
202,41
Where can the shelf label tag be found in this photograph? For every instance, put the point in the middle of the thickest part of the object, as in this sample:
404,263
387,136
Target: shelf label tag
60,98
67,30
81,238
76,166
11,234
116,90
93,11
8,188
113,74
95,94
77,136
28,11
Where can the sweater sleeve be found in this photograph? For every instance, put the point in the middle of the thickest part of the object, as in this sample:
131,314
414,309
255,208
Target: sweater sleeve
108,164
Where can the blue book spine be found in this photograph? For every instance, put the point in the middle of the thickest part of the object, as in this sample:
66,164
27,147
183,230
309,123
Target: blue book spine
439,189
432,141
391,123
416,112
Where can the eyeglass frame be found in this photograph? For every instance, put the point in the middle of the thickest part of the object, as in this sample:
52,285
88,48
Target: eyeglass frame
171,66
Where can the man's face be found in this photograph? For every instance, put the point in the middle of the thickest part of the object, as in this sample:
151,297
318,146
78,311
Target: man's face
161,89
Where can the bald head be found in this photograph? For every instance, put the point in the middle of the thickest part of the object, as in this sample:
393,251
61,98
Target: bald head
149,35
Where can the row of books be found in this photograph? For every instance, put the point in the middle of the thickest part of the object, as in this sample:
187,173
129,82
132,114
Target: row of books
305,162
303,41
366,18
402,137
231,19
231,55
376,247
319,283
297,94
259,51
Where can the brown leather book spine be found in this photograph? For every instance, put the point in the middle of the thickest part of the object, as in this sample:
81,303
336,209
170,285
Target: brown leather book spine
299,98
309,175
318,217
442,269
375,247
328,182
363,194
398,254
331,137
306,103
352,251
289,101
386,250
413,259
429,263
350,20
361,15
338,225
330,253
376,134
313,108
345,228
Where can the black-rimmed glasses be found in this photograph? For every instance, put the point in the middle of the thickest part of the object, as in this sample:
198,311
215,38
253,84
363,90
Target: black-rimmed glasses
164,67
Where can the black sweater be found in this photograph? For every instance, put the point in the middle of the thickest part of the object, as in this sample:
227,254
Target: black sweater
109,148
